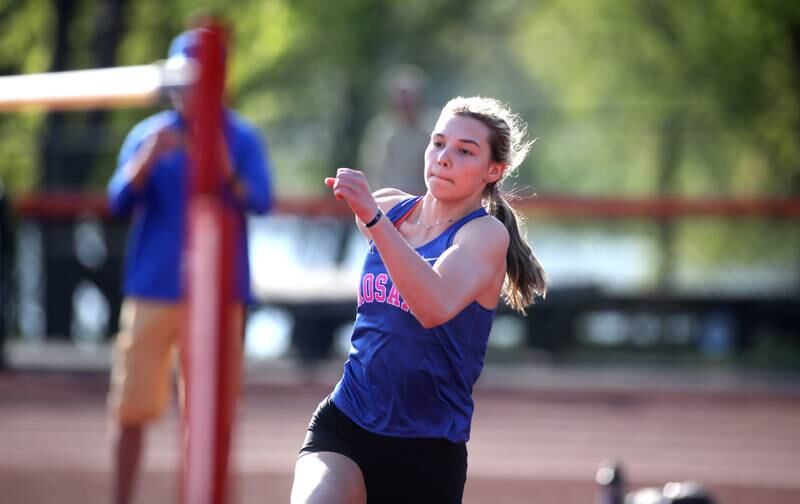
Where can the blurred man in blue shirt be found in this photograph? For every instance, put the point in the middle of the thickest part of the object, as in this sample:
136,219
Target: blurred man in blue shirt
151,186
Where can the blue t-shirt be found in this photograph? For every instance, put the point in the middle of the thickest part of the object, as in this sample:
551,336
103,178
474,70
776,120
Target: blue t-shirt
404,380
153,254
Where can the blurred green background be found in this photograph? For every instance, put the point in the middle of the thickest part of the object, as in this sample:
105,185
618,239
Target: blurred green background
626,98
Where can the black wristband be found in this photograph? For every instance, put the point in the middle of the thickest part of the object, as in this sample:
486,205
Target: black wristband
374,219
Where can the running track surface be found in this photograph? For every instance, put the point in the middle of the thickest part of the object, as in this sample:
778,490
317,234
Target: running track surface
528,445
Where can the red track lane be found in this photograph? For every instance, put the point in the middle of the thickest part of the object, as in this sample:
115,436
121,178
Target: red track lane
527,445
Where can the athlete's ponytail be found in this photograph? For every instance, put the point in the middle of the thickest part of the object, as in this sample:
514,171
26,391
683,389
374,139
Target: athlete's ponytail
525,277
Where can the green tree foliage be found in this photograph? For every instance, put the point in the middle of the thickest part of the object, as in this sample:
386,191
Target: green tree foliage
626,96
320,71
22,50
693,97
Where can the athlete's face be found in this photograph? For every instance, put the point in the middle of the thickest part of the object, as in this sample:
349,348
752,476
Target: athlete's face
458,158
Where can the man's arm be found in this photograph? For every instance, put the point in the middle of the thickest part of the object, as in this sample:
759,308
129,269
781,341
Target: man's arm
136,162
247,177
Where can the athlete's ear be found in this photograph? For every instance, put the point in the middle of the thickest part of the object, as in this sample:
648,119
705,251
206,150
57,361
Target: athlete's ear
495,172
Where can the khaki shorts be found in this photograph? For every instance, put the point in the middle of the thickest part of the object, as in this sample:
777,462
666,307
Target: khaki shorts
145,352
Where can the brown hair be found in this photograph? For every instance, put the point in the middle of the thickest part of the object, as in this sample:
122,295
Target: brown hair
525,277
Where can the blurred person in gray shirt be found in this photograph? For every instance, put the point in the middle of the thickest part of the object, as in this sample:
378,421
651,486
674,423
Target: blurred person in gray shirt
394,141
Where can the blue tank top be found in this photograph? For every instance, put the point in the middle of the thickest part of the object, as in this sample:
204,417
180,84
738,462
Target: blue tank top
404,380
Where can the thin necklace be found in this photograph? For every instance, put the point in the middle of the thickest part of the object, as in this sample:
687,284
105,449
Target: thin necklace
429,226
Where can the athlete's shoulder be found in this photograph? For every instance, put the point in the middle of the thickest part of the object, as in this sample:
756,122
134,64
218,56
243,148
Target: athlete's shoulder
486,231
388,197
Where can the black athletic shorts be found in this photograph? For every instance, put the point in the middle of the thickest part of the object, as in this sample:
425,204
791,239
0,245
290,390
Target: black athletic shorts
395,469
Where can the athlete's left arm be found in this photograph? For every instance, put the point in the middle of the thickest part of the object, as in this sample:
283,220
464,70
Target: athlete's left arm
474,263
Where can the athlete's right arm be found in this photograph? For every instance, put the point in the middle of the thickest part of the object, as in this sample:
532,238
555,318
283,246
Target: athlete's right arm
472,267
386,199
